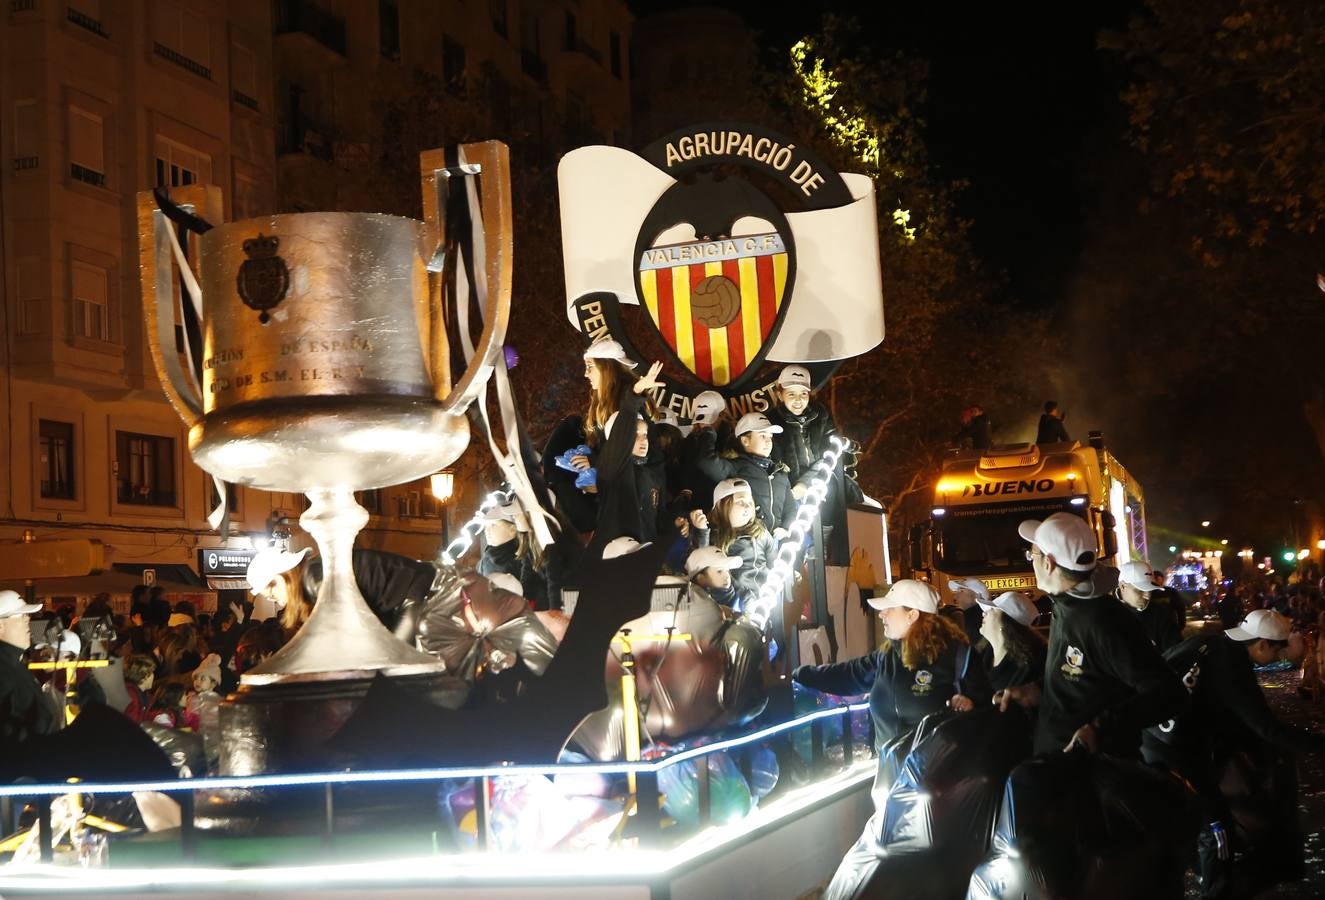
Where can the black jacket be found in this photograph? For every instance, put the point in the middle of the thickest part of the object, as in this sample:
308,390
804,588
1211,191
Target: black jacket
579,508
1228,708
1051,431
24,712
1102,669
501,559
901,697
768,480
757,556
631,493
386,581
1158,622
803,440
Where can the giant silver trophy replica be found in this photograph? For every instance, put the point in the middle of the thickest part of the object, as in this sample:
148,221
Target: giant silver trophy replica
326,371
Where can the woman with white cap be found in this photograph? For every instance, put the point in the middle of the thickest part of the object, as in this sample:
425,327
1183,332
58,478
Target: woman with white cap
923,666
509,548
1018,650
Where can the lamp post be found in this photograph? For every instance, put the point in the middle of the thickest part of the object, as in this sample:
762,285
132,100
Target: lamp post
442,485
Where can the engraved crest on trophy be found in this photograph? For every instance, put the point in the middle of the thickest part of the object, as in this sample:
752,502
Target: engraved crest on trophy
263,278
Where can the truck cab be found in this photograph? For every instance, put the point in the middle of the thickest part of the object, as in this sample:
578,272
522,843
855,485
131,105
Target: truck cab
980,497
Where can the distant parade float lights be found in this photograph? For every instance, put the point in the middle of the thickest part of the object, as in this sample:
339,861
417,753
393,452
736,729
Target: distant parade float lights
760,611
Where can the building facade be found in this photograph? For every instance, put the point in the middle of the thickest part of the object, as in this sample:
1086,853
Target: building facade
283,104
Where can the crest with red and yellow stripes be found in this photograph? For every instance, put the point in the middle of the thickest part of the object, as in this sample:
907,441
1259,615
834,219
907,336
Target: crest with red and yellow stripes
716,303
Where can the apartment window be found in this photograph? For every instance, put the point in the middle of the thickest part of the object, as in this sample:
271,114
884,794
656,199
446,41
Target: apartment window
388,23
497,9
453,61
26,118
418,505
87,147
182,37
614,50
231,497
91,303
30,285
372,501
56,459
243,76
145,469
247,198
178,164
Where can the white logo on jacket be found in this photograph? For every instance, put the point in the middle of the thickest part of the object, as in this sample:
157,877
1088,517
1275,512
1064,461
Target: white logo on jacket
1076,660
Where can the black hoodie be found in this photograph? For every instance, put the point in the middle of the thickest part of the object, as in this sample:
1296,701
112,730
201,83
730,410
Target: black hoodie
1102,669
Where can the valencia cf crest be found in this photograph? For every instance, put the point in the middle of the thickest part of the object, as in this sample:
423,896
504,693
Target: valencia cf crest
724,251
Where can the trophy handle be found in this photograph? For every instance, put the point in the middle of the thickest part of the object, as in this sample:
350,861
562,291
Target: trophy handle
490,162
156,273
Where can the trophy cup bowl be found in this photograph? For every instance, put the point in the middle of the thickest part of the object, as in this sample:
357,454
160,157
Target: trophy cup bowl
325,370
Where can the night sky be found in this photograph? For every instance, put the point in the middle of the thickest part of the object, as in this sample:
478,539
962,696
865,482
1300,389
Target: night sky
1025,107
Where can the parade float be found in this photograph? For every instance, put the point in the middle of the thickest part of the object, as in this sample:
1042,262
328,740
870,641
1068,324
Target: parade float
648,744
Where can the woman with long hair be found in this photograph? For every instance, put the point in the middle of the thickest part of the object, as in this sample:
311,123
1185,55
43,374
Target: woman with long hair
1018,651
924,666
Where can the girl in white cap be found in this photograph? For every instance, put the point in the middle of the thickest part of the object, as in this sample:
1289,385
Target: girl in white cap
735,530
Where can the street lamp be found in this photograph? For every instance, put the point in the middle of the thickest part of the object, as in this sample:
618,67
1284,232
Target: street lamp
442,484
1205,523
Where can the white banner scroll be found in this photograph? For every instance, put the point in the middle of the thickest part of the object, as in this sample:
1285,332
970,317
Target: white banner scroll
836,308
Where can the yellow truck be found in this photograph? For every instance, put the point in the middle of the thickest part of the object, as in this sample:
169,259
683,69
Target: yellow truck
969,525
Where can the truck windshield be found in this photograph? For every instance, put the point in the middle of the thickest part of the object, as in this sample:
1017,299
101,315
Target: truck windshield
980,540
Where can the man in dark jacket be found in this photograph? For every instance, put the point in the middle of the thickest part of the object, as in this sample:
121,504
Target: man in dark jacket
1138,591
23,710
1103,679
1051,429
1230,718
769,484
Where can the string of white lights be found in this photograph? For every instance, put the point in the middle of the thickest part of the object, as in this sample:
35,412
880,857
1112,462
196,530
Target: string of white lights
463,541
783,569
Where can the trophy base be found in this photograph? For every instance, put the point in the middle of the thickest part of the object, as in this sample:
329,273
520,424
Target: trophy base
285,727
299,444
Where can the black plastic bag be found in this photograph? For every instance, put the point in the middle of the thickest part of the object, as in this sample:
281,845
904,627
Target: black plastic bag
1087,826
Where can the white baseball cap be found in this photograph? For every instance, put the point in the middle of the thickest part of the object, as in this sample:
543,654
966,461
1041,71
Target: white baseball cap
608,349
11,604
975,586
269,563
1261,623
1139,574
756,422
1015,605
729,487
621,546
507,582
1067,538
709,557
794,376
707,407
909,593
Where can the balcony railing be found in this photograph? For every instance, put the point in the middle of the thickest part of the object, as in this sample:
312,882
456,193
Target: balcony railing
26,162
83,20
179,59
300,16
244,100
145,495
87,176
22,5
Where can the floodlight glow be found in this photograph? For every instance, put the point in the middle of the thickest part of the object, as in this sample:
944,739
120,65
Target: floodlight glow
463,541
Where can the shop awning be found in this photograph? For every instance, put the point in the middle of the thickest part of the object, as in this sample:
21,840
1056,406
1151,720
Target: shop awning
109,582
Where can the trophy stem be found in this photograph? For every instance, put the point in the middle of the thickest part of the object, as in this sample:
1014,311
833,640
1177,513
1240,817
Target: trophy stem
342,639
